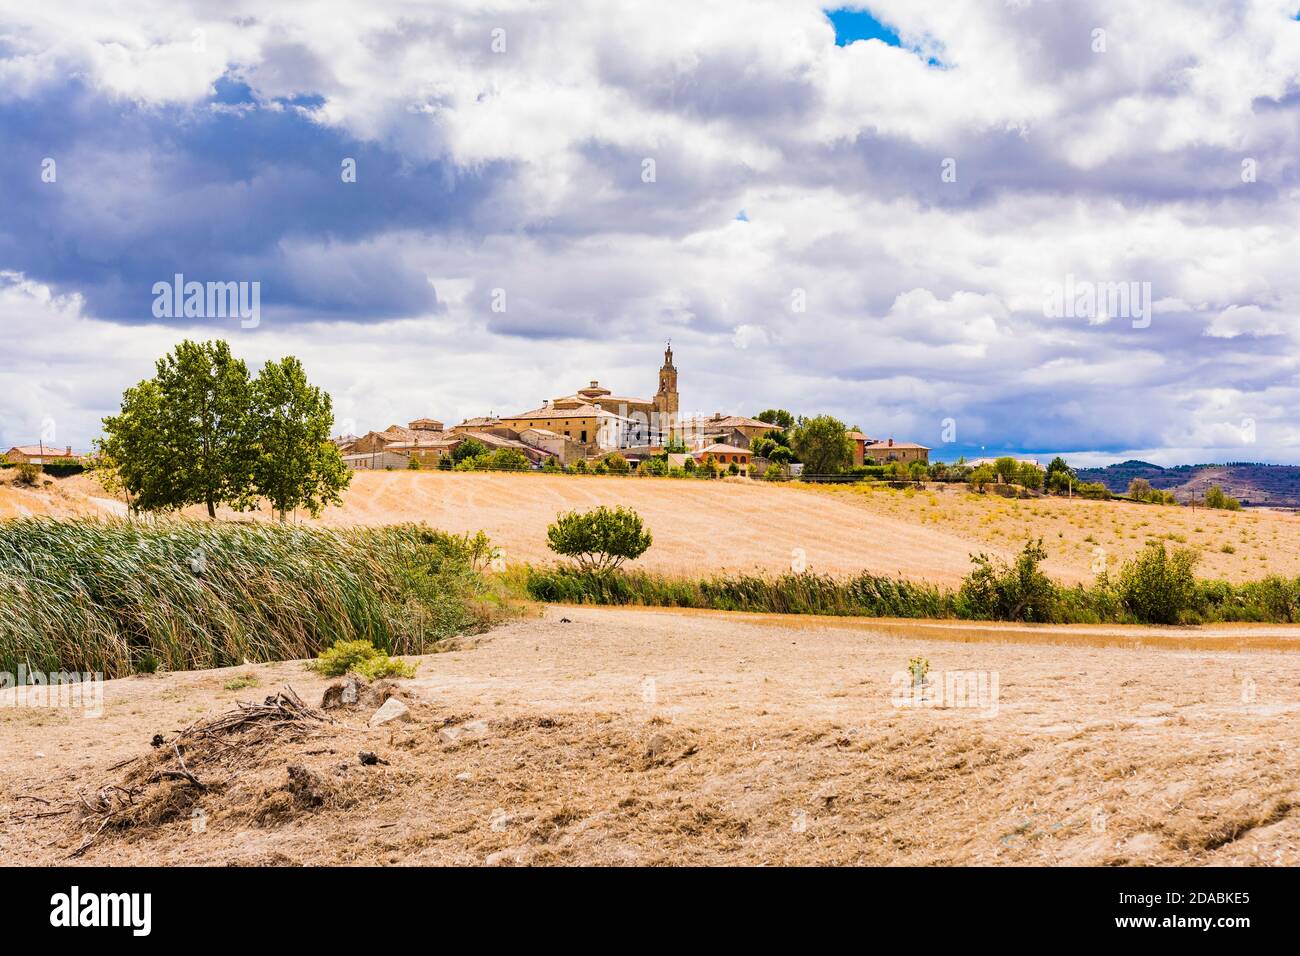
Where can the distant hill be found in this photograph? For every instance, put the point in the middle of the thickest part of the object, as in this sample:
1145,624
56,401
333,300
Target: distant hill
1253,483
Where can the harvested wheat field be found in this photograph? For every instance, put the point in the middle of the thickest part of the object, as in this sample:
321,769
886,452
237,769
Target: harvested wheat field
742,525
655,737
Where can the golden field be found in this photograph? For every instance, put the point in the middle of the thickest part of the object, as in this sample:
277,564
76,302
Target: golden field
701,526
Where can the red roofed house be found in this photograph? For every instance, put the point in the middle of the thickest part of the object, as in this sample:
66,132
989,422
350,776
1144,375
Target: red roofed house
726,456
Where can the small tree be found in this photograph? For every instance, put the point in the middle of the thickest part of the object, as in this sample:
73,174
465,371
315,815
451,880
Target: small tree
1005,468
981,476
469,448
295,464
599,540
822,445
507,459
1029,476
183,437
616,464
1215,497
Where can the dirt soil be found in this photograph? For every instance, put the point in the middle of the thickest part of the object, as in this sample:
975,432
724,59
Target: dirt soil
624,736
741,525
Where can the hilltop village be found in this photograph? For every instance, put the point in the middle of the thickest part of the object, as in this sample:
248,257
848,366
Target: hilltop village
596,429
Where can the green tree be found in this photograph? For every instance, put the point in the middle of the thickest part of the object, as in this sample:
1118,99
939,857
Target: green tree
599,540
1029,476
184,436
822,445
1215,497
981,476
778,417
616,463
761,446
296,464
469,448
1005,468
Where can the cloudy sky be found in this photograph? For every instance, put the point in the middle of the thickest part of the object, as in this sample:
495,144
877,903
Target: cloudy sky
867,213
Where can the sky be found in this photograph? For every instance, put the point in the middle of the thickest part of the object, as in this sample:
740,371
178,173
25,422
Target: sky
894,213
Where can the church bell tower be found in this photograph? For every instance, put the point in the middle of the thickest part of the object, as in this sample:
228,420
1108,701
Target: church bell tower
666,397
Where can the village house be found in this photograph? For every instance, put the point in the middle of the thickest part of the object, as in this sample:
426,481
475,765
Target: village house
884,452
41,454
600,421
738,430
725,456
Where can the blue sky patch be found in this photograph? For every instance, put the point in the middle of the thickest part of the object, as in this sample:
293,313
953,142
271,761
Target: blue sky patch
853,25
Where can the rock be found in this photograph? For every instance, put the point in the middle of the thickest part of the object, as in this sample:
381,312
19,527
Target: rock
465,777
392,710
471,730
345,693
377,694
509,857
369,758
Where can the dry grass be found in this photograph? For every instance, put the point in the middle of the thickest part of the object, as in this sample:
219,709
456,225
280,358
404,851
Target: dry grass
656,737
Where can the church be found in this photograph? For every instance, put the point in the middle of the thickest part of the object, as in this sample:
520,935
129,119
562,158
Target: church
599,420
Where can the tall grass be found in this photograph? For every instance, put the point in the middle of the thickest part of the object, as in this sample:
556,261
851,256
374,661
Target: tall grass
119,596
805,593
1154,587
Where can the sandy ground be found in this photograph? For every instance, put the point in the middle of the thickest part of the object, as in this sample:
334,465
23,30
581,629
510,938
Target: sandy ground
658,737
740,525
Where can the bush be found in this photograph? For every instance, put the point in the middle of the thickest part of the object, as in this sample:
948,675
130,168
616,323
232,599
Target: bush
599,540
1216,498
1000,592
1159,587
773,473
981,476
359,657
28,475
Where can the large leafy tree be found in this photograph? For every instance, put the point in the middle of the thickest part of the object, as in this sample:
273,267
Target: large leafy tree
822,445
182,437
296,464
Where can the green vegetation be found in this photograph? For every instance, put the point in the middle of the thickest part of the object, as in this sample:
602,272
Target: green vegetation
202,432
1215,498
359,657
600,540
114,595
27,475
1155,587
822,445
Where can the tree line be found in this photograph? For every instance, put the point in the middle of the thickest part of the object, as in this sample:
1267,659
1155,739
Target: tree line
203,431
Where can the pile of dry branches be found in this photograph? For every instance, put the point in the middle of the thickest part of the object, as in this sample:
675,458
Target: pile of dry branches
160,786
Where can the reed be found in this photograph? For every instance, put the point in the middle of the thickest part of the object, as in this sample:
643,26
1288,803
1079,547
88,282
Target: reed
121,596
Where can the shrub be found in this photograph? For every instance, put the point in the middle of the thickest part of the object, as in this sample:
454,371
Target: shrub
1216,498
981,476
773,473
413,464
469,448
27,475
599,540
1002,592
359,657
1158,587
